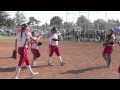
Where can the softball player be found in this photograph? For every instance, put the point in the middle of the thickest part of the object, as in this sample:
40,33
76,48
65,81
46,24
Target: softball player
119,72
110,40
53,46
34,49
118,42
21,44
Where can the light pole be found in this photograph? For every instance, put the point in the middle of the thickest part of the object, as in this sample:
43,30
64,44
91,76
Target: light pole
105,21
88,18
88,24
66,20
79,20
72,19
105,15
74,13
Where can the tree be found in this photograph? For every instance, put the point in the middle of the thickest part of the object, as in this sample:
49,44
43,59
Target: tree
68,25
82,19
56,21
33,21
83,22
43,27
3,18
118,22
19,18
113,22
10,22
99,24
62,26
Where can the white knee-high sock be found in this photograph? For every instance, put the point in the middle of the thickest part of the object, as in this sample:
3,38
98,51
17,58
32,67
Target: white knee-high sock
29,68
18,68
49,59
59,57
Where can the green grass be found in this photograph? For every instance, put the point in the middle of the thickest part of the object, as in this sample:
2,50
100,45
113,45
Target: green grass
7,37
12,38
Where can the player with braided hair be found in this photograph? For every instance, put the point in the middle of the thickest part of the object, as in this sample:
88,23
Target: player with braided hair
21,45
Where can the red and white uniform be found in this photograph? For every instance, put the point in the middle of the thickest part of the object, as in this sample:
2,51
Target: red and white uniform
23,47
35,50
53,45
119,69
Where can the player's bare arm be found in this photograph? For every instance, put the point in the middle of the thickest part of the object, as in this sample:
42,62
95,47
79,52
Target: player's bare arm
105,40
32,39
38,38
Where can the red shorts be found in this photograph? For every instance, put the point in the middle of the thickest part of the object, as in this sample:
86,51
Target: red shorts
23,52
119,69
35,52
54,49
108,50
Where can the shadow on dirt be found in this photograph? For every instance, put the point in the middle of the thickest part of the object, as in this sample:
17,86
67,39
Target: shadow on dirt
5,57
7,69
12,69
84,70
29,78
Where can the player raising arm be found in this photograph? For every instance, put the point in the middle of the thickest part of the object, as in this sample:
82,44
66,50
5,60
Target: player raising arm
34,49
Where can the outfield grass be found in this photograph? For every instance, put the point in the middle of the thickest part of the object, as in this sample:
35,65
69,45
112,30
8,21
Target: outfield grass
7,37
11,38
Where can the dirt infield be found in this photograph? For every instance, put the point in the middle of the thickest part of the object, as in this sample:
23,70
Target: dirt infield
84,61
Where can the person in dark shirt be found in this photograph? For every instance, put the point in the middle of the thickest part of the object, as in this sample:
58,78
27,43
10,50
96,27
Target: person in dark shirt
108,49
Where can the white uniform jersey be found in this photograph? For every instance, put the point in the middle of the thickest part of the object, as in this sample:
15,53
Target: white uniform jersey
21,41
34,46
55,36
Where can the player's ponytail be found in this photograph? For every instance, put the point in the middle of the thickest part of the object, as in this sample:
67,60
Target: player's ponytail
23,28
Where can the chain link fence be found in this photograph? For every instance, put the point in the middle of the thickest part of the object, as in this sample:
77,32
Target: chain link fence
85,31
90,31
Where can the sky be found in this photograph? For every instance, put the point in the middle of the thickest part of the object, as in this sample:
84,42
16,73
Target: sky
45,16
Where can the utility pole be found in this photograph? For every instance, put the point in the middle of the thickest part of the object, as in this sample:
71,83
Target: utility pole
88,24
79,20
88,19
105,22
66,20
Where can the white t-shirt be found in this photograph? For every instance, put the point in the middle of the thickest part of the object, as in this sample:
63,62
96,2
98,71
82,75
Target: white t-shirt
21,41
34,46
55,36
